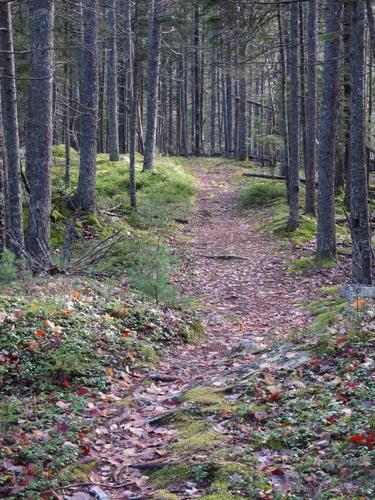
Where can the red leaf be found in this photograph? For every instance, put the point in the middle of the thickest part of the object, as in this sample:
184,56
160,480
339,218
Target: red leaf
65,383
40,333
331,419
82,390
358,439
85,449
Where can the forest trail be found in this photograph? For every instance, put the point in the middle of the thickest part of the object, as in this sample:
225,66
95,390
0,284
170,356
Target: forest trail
245,294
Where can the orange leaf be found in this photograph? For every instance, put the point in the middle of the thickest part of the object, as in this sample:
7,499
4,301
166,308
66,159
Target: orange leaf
126,333
133,356
40,333
76,295
65,383
358,303
110,372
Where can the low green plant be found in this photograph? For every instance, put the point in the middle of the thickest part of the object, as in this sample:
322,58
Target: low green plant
262,193
8,267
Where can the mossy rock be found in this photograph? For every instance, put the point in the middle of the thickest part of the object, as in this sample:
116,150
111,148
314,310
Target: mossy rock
164,495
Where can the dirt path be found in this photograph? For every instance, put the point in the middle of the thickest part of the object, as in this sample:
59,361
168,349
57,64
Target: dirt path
244,295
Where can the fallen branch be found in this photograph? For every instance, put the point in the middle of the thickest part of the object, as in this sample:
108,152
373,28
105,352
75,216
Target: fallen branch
159,377
271,177
224,257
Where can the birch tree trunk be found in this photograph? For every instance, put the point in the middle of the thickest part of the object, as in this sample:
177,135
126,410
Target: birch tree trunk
40,129
112,87
326,233
85,198
152,81
11,131
359,216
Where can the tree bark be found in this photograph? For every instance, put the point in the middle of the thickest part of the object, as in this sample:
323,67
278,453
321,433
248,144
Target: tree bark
112,87
40,129
359,215
85,198
243,119
311,107
293,219
326,233
133,78
3,193
11,130
152,81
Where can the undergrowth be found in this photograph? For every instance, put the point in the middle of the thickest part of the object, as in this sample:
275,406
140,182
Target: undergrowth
62,350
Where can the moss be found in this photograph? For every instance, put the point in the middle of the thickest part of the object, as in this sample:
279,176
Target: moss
203,396
262,193
310,264
173,474
193,332
164,495
194,443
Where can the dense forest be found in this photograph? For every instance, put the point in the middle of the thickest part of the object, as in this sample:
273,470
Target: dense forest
187,200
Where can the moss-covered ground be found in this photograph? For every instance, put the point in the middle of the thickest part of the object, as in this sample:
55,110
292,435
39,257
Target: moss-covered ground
304,432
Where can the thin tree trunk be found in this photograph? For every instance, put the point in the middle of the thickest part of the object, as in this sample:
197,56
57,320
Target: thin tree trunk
359,216
40,129
133,78
243,120
293,220
213,109
11,130
311,108
284,164
152,81
303,84
326,233
112,87
85,198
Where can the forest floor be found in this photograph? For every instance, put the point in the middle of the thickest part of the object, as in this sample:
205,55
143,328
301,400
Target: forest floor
199,426
274,402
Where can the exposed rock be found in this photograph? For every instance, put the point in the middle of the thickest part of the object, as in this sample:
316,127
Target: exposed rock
353,292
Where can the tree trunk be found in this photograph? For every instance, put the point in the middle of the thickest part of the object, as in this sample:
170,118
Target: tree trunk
302,83
311,108
152,81
213,108
133,78
359,216
293,219
10,124
326,233
85,198
112,87
243,121
40,129
197,90
284,164
3,194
